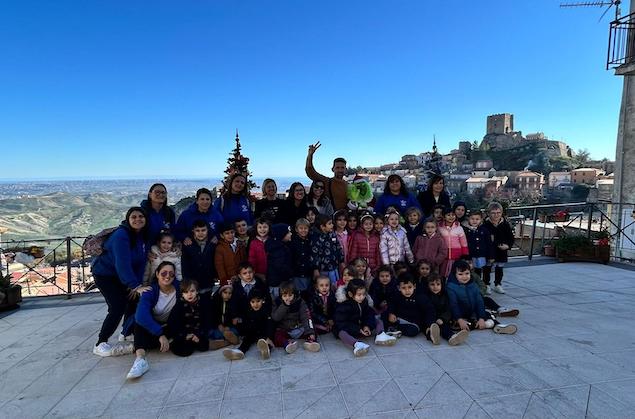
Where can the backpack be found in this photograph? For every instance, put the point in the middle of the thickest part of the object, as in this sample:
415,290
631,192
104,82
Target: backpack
94,244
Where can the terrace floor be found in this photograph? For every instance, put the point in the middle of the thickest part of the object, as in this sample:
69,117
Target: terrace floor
572,357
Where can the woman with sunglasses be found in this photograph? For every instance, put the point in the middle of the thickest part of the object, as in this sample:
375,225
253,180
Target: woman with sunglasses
118,274
152,316
160,216
317,198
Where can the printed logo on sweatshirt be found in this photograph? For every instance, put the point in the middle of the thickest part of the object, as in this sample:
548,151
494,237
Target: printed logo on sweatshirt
403,203
212,225
244,208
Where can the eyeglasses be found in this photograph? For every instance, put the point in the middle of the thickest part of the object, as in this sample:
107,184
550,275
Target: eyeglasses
318,186
298,190
160,192
165,274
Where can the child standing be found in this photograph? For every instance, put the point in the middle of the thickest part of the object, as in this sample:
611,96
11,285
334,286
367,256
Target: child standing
163,250
351,222
229,254
279,262
479,241
364,243
326,252
393,243
378,223
300,246
503,238
256,254
256,327
242,231
443,316
224,319
198,258
355,320
455,240
187,323
291,315
340,221
430,246
322,305
409,312
413,225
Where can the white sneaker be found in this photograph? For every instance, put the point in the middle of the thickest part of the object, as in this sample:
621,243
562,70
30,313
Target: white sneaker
122,338
435,334
263,347
291,347
383,339
395,333
505,329
139,367
122,348
499,289
488,290
360,349
458,338
103,349
489,324
311,346
233,354
507,312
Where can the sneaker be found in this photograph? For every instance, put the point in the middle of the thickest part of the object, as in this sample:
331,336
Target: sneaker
122,348
103,349
360,349
311,346
383,339
233,354
291,347
499,289
217,344
488,290
263,347
122,338
505,329
458,338
507,312
394,333
231,337
139,367
435,334
489,323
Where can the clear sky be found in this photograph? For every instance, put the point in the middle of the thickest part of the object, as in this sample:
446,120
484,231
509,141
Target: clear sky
136,88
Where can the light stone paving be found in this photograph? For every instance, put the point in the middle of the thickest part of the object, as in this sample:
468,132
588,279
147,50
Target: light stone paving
573,356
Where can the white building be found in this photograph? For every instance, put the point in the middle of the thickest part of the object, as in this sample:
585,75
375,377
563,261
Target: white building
557,178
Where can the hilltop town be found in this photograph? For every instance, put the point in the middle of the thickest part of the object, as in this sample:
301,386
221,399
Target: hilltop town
505,165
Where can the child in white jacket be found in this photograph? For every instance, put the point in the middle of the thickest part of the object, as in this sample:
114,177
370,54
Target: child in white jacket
393,242
164,251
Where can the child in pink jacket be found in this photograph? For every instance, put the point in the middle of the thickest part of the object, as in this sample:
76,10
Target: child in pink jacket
430,246
455,240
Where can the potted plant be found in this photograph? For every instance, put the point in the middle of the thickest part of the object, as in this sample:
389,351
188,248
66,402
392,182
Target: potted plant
560,216
549,249
581,248
10,294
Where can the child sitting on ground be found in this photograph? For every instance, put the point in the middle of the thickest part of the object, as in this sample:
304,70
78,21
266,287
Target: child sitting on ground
186,322
383,289
430,246
322,305
256,327
164,250
224,319
291,315
466,303
409,312
229,254
355,320
443,316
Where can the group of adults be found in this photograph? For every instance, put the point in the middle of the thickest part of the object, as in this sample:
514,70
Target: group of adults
118,272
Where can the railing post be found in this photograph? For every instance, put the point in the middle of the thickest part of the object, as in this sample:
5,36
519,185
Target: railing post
589,223
533,234
69,291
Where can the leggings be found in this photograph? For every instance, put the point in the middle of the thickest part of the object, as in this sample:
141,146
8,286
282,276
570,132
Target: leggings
351,341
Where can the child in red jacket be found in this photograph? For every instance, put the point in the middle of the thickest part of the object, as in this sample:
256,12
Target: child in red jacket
430,246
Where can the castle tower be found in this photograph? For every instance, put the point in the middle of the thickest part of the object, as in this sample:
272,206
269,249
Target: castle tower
502,123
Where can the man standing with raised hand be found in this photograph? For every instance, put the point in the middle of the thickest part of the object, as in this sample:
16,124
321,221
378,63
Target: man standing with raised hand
336,186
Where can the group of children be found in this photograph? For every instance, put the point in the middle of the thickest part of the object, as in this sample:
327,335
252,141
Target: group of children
376,275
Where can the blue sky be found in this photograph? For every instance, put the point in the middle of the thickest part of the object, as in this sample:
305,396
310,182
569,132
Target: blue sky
142,88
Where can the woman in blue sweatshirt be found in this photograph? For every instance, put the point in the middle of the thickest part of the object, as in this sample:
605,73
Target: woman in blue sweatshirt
160,216
234,204
118,274
200,210
396,195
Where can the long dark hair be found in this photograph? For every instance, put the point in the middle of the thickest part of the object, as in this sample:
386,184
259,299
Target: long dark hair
291,196
403,189
228,186
323,199
156,185
161,266
434,179
143,234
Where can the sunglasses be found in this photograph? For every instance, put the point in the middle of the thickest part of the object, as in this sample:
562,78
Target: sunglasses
165,274
318,186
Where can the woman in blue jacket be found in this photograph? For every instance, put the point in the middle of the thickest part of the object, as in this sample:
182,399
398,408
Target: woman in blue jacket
234,204
152,315
118,274
160,216
201,209
396,195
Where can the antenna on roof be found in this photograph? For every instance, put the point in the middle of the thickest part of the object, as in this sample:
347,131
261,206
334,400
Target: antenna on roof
610,4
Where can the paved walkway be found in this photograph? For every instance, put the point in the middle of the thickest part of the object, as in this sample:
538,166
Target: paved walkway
573,356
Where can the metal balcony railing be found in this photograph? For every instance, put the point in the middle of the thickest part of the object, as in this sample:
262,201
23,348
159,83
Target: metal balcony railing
621,49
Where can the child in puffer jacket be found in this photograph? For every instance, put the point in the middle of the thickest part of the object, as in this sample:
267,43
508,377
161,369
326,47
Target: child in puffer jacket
163,250
393,243
292,318
455,241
